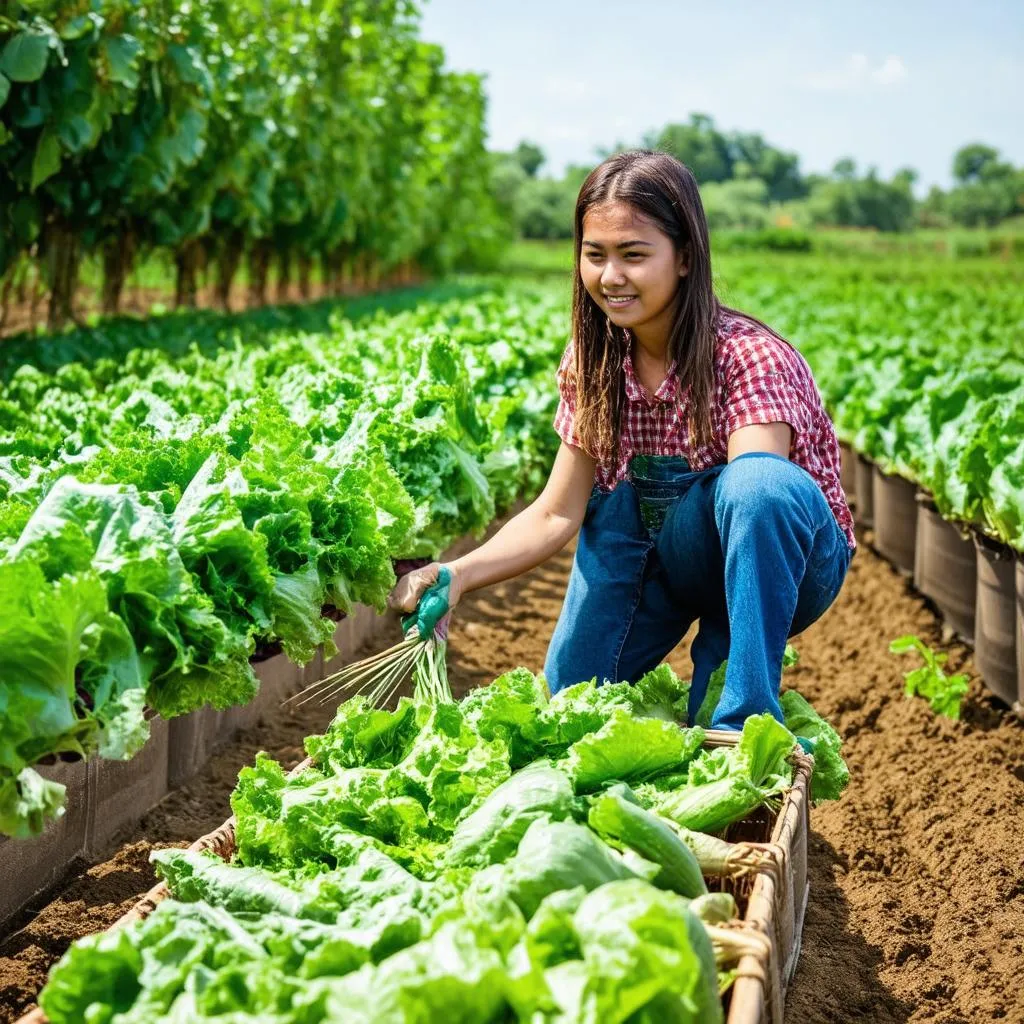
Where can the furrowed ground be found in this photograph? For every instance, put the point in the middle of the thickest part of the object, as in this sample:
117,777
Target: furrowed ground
917,882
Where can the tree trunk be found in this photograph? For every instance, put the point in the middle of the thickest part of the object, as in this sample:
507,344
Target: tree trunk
334,279
305,275
228,261
118,254
284,275
5,296
186,262
37,292
62,260
341,272
22,274
356,272
259,270
326,265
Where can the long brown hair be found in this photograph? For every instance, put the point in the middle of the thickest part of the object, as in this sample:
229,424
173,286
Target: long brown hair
664,190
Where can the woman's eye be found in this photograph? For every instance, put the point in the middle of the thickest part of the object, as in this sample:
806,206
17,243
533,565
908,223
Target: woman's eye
630,255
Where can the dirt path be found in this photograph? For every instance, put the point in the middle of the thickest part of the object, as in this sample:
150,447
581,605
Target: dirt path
917,875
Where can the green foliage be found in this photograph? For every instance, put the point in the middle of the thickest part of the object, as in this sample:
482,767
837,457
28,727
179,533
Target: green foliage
204,486
212,130
867,202
724,785
830,776
919,367
361,891
545,208
617,817
945,694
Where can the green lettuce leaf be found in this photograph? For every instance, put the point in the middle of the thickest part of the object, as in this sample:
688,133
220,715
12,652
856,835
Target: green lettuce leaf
830,776
628,748
556,855
618,819
492,832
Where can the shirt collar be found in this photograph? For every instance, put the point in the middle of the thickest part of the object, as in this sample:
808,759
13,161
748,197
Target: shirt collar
668,391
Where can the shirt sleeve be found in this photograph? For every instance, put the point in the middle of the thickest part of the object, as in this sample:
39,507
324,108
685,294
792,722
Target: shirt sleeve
766,387
565,415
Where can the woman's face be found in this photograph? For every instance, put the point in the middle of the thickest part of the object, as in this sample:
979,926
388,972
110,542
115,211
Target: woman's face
629,266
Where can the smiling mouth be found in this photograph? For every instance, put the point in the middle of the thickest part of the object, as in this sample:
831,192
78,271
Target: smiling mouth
619,300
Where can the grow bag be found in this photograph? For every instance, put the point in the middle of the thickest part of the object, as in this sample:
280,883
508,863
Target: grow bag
863,489
848,471
895,516
1020,635
995,626
945,569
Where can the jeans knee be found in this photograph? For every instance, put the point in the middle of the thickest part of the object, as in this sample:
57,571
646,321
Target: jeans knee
761,486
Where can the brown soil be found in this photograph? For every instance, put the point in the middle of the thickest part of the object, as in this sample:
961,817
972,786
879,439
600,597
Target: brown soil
917,879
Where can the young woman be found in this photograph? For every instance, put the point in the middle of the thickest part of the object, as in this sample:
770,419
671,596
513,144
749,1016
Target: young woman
697,463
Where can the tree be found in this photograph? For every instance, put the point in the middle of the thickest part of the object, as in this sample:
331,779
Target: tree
752,157
988,189
530,157
844,169
975,162
980,203
867,202
546,208
699,145
736,204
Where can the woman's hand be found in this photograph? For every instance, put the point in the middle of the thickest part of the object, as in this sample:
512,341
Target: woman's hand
411,587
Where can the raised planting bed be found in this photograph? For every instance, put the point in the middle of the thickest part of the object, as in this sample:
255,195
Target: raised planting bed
894,510
848,471
120,792
192,740
945,569
104,797
865,503
1019,595
772,901
33,865
995,646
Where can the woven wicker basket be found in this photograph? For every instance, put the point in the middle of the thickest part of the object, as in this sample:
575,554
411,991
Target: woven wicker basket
775,900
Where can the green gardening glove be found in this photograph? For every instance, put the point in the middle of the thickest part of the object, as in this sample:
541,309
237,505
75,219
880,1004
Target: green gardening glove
433,607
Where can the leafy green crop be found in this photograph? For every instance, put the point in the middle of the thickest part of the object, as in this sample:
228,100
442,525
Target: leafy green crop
920,366
178,505
945,694
419,868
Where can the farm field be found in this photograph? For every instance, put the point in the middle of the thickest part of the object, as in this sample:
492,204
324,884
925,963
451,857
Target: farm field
431,410
280,345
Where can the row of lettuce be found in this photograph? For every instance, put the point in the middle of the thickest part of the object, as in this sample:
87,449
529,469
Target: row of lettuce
177,493
922,373
507,858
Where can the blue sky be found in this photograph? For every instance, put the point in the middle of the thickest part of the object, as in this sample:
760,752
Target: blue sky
903,83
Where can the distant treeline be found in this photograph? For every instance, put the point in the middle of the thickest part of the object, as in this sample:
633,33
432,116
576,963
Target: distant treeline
750,185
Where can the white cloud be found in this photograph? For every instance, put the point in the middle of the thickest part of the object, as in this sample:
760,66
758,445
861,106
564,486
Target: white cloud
564,87
892,70
857,72
580,133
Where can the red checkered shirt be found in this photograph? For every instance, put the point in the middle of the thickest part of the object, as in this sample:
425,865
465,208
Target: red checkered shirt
758,379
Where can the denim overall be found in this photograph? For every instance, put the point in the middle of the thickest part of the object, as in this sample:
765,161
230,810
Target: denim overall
750,548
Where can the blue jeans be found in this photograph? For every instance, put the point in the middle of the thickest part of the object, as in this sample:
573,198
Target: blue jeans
750,548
